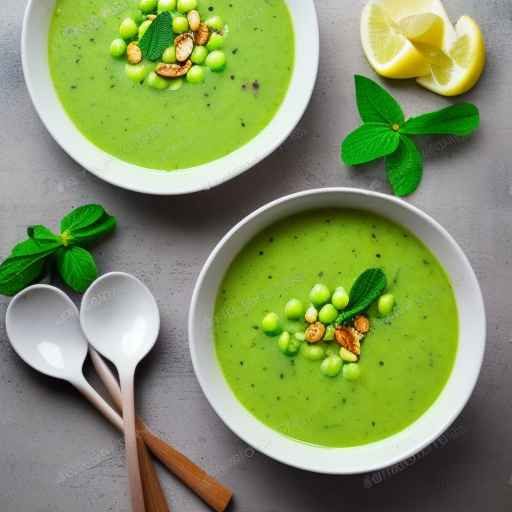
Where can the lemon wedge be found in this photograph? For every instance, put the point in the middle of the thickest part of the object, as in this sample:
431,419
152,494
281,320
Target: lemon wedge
426,28
458,69
388,51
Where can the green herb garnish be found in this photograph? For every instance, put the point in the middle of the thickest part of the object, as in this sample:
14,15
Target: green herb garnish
386,133
368,287
29,260
157,37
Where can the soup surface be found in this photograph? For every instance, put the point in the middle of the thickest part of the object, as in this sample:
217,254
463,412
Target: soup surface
171,130
406,358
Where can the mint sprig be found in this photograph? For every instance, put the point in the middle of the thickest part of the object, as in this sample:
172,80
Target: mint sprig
386,133
368,287
157,37
30,259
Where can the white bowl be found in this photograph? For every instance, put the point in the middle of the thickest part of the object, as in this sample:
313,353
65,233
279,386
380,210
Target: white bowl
34,53
369,457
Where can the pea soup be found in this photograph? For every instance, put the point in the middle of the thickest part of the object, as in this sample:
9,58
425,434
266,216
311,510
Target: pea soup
226,100
409,345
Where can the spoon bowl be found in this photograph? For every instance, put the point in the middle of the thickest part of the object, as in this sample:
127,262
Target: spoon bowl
42,328
120,318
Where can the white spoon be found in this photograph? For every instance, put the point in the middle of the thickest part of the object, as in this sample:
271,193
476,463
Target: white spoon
120,318
43,328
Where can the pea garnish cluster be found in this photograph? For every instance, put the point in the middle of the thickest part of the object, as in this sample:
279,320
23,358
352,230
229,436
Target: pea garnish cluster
168,41
333,326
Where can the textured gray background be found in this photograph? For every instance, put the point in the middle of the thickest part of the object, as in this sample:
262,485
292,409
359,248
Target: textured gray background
57,455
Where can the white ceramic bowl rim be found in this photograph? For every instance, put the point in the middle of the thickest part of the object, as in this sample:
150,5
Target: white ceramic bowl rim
34,53
371,457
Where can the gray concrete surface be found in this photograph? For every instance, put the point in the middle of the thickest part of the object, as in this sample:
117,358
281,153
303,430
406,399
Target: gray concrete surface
57,455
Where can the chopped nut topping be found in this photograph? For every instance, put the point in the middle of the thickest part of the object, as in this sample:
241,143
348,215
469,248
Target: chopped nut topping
311,315
315,332
184,45
173,70
362,324
202,34
349,339
194,20
134,54
151,17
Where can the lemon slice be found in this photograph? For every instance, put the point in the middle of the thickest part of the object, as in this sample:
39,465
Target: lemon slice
458,70
388,51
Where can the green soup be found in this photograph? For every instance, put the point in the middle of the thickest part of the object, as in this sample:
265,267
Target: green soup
171,130
406,358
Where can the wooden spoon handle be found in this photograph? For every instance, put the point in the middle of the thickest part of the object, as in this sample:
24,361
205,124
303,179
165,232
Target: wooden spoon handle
154,497
201,483
206,487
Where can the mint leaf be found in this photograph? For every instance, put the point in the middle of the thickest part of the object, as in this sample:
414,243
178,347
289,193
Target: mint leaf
33,247
158,37
91,234
369,142
375,104
369,286
404,167
81,218
42,233
460,119
77,268
25,265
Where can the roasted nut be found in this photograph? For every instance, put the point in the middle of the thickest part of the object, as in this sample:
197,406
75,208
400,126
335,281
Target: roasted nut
194,20
362,324
311,315
184,45
202,34
151,17
173,70
134,54
348,338
315,332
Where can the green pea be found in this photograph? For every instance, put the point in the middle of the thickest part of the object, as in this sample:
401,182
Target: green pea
300,336
386,304
328,314
340,298
215,42
216,60
186,5
199,55
215,23
148,6
136,73
347,356
331,366
169,56
175,84
157,82
195,75
128,28
351,371
313,352
319,295
143,28
271,324
293,309
137,16
166,5
117,48
180,24
329,333
288,345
